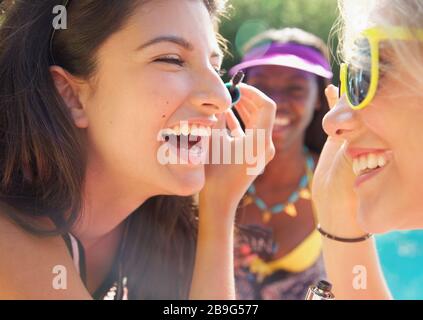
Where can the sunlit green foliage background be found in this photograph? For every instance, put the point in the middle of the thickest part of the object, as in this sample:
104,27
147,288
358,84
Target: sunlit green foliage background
250,17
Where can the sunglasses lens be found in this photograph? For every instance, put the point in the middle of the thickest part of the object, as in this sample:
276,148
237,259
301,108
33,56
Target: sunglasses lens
358,84
359,73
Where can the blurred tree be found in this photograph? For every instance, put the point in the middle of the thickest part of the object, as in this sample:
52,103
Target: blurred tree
248,18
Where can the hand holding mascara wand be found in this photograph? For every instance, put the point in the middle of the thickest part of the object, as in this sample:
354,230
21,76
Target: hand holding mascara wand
236,94
321,291
232,87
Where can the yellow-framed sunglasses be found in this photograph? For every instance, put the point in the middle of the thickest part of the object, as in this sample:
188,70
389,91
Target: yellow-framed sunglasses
359,83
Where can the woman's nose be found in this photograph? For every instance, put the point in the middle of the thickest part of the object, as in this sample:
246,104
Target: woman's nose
210,93
341,121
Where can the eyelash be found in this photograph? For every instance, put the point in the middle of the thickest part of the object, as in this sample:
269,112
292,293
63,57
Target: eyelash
179,62
172,61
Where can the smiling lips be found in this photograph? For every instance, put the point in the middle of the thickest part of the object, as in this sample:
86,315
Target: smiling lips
365,161
185,141
187,129
283,121
186,135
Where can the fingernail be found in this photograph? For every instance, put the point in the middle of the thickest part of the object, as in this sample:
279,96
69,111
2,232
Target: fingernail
332,90
330,87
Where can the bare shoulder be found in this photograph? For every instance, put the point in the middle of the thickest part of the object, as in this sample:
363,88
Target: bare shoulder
35,267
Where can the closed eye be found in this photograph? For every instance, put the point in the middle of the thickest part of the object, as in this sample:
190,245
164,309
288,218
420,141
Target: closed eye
179,62
176,61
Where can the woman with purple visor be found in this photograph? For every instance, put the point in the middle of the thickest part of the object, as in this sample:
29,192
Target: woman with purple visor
278,250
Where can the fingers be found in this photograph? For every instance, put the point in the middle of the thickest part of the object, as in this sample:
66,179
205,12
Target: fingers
332,95
248,112
244,113
221,121
265,111
258,104
233,124
248,104
257,97
261,111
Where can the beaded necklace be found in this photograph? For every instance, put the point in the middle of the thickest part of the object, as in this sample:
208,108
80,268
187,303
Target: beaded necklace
302,192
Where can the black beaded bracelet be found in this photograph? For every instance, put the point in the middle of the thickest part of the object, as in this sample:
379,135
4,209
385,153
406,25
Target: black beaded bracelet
348,240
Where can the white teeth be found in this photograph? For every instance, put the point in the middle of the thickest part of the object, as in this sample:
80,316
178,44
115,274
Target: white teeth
282,121
356,167
381,161
168,132
187,129
368,162
363,163
194,130
372,161
177,130
204,131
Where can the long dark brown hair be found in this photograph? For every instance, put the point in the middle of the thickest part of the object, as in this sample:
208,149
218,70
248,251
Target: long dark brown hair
42,154
315,137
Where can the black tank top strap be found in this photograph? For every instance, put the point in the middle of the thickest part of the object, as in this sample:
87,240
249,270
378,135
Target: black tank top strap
114,286
77,253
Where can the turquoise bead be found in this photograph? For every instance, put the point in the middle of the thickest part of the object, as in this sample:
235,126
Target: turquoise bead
303,182
294,197
310,163
278,208
260,203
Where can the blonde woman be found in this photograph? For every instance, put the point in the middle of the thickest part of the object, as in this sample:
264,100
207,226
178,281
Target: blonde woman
368,179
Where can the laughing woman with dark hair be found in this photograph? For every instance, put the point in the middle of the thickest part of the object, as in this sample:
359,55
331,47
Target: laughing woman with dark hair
81,185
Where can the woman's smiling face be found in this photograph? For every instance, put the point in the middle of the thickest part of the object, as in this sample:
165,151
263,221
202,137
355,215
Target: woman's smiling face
384,145
296,95
159,69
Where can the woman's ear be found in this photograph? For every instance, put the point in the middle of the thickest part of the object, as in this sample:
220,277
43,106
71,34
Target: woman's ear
68,89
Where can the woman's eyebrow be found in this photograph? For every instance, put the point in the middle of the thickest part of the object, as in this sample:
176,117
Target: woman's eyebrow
178,41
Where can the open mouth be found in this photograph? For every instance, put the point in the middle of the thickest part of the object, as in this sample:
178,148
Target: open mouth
187,141
182,141
185,135
282,123
368,163
284,119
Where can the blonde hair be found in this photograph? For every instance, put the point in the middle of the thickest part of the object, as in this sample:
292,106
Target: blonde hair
357,15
